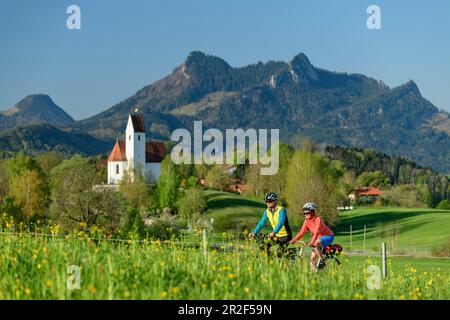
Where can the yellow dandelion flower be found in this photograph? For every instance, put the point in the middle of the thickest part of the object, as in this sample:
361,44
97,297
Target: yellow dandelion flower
204,285
49,283
358,296
231,275
92,289
163,294
247,290
175,290
28,291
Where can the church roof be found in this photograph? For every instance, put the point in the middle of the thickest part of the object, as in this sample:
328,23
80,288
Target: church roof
138,122
118,152
154,151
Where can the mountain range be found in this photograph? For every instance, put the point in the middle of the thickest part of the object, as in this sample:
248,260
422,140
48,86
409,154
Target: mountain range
297,97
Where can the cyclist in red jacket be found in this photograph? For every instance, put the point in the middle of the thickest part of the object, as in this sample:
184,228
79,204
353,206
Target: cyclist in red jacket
322,236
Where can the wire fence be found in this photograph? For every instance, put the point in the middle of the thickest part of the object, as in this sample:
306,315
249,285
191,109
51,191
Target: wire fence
227,243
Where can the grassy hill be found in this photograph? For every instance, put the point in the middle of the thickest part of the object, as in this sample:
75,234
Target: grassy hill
232,212
406,230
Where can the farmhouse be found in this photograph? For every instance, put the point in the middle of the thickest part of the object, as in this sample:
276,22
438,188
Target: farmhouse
135,153
368,194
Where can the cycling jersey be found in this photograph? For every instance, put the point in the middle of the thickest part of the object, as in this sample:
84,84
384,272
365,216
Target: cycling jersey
278,219
317,227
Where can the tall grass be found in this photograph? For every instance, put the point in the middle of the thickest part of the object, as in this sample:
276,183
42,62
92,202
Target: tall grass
37,268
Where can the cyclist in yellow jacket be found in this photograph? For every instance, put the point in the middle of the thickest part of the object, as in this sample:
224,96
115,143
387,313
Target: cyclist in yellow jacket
277,216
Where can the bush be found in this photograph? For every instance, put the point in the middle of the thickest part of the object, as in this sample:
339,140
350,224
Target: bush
164,227
444,205
403,195
10,209
132,223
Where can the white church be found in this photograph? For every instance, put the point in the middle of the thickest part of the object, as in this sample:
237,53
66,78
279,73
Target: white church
135,152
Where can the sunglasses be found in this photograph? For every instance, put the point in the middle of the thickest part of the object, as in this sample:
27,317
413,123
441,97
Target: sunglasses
307,212
270,201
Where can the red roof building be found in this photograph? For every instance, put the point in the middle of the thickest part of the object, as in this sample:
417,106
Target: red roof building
370,191
135,152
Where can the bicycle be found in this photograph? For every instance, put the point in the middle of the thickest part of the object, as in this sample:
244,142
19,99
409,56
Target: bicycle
329,253
295,252
265,243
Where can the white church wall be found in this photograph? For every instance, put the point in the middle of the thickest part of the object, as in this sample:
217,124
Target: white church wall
139,149
129,141
116,170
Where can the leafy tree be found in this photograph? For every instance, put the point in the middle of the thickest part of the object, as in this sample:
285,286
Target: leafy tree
135,190
257,185
308,180
74,198
348,182
168,184
373,179
218,178
48,160
427,197
29,192
21,163
4,181
191,204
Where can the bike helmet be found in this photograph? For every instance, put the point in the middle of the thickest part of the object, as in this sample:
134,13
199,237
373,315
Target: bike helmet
271,196
309,206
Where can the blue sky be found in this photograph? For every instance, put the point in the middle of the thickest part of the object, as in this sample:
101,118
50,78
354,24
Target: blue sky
125,45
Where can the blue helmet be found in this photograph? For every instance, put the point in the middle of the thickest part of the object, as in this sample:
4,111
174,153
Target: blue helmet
271,196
